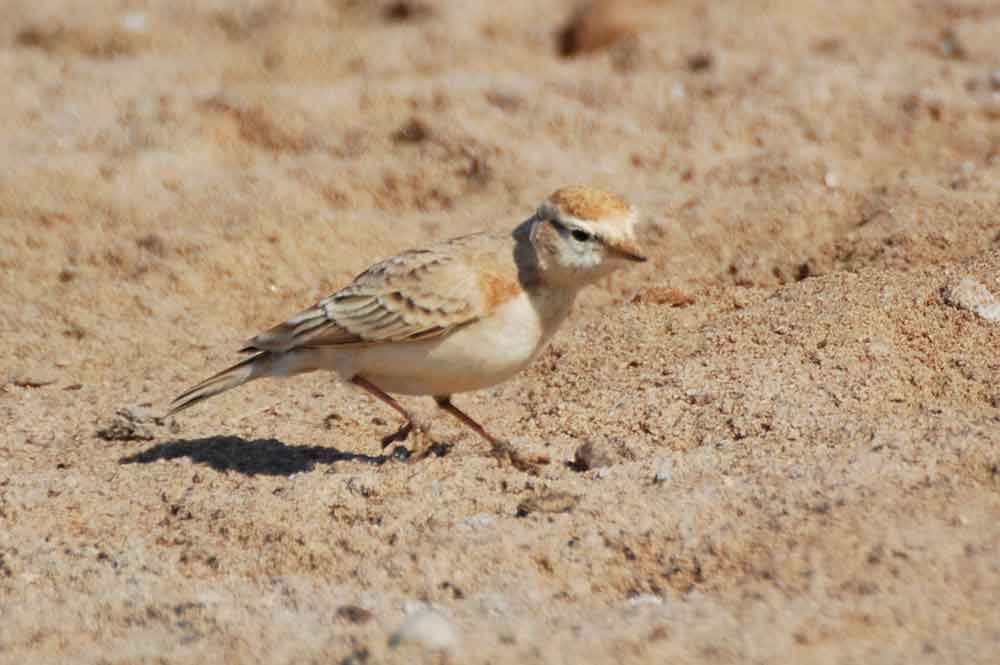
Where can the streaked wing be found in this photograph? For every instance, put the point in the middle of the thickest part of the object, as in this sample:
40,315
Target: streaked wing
416,295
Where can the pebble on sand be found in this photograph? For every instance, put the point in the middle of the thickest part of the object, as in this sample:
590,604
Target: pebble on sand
134,423
664,473
596,25
428,628
969,294
550,502
591,455
32,377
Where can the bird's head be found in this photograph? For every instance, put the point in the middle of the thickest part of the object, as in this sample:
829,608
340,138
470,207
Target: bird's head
582,234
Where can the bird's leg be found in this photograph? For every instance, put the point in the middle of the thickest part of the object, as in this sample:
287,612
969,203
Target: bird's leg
501,449
400,435
403,432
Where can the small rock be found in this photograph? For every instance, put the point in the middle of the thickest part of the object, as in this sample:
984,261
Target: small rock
480,520
831,180
153,244
133,423
548,502
414,131
700,62
591,455
971,295
428,628
32,377
644,599
406,10
699,397
659,295
360,656
134,22
665,473
950,45
596,25
354,614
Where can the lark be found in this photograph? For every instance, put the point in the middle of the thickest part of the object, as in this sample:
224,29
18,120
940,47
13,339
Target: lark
457,316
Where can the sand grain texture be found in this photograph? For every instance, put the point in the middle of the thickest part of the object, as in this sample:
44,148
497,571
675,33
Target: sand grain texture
798,434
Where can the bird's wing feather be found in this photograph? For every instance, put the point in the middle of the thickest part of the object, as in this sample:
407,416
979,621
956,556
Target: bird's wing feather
414,296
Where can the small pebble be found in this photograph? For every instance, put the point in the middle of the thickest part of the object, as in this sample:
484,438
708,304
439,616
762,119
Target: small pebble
659,295
414,131
832,180
359,656
699,397
951,46
479,520
406,10
645,599
548,502
354,614
700,62
35,377
133,423
665,473
591,455
134,22
428,628
969,294
597,24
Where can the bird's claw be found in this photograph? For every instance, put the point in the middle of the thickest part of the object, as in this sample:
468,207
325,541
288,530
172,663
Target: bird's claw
421,448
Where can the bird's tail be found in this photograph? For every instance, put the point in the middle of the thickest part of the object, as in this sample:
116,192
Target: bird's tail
252,368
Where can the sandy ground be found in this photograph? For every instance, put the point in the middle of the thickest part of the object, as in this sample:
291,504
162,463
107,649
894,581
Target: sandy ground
795,424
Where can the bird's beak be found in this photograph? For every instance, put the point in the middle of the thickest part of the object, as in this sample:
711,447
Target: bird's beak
627,251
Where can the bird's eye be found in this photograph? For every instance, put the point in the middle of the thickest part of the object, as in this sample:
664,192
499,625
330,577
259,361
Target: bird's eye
581,235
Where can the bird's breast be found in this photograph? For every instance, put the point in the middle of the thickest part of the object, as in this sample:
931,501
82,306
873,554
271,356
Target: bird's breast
476,356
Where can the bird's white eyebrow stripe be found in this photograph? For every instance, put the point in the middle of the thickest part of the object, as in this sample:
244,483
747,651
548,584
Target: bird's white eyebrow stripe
560,224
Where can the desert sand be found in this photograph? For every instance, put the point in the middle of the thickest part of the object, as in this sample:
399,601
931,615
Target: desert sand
778,441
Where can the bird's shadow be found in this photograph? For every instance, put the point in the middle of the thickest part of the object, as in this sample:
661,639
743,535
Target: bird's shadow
269,457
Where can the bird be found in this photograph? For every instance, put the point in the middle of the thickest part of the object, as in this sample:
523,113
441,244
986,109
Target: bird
456,316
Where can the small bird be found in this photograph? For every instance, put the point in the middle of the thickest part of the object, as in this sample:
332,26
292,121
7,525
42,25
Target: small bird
459,315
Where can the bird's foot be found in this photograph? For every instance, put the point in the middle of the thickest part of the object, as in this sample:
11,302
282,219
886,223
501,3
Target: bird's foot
399,435
425,445
506,454
422,443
